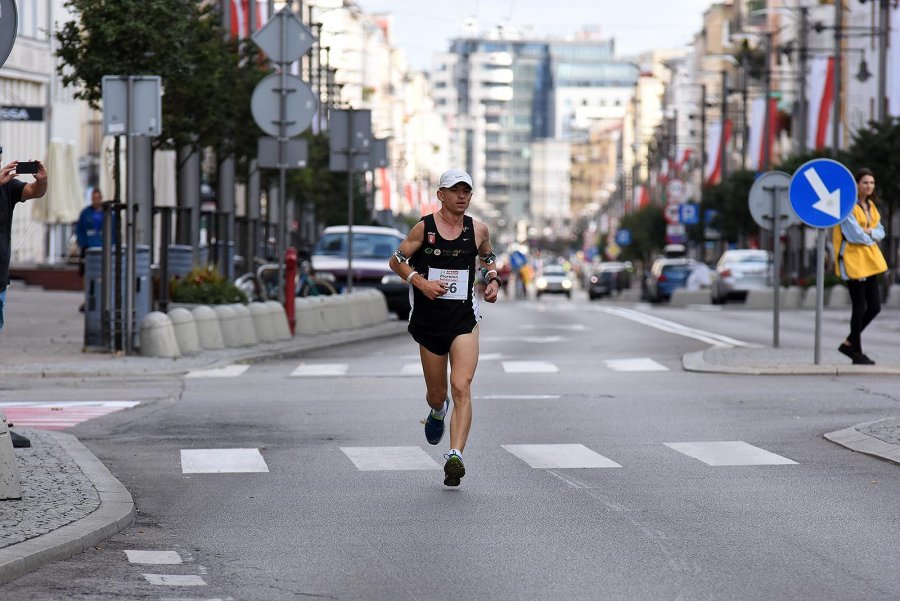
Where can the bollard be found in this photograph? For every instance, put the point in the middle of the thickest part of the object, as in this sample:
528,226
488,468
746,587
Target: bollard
9,472
290,276
158,336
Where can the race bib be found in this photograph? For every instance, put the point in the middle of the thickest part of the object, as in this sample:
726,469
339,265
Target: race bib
456,280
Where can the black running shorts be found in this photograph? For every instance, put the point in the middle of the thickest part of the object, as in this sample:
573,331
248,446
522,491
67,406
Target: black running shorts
436,342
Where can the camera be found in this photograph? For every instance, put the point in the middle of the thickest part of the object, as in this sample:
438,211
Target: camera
26,167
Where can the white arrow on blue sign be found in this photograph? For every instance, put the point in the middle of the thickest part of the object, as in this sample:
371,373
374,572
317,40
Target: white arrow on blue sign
822,192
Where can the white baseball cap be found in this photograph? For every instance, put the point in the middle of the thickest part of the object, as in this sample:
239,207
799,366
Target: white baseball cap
451,177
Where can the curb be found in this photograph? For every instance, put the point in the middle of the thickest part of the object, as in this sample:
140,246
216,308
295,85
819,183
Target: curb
116,512
855,440
697,362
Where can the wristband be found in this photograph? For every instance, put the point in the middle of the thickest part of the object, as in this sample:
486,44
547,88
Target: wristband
495,279
410,276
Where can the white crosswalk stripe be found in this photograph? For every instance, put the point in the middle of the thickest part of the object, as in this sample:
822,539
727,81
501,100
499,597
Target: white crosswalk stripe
229,371
637,364
529,367
320,369
390,458
153,557
174,580
553,456
222,461
733,452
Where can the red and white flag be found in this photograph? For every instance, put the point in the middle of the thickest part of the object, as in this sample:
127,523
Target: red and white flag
756,152
820,95
712,172
240,17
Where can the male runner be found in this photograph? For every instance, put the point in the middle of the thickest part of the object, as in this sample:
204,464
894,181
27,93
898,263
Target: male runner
438,260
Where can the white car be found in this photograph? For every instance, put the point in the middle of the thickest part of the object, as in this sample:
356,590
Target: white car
554,280
741,270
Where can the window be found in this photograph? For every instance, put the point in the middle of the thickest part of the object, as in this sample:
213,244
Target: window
33,19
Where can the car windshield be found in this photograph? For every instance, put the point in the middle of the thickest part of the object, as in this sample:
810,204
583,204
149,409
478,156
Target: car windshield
554,270
365,246
677,270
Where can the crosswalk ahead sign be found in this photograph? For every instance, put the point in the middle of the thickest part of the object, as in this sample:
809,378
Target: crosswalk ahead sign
822,192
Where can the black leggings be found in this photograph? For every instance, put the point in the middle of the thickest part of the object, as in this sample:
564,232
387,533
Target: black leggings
866,299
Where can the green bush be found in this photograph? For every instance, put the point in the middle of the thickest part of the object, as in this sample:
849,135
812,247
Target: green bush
205,286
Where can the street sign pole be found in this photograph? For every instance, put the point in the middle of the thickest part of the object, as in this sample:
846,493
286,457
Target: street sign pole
282,173
774,191
350,201
822,193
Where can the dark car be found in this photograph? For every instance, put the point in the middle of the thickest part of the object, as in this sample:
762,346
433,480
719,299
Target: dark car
372,248
609,278
664,277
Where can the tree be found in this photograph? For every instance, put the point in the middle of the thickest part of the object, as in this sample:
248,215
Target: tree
648,233
729,199
208,79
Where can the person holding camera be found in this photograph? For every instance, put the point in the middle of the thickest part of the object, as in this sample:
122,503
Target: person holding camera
12,192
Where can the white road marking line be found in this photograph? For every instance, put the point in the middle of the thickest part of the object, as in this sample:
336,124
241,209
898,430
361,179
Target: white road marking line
571,327
411,369
675,328
529,367
637,364
518,397
229,371
99,404
222,461
734,452
174,580
554,456
305,370
51,415
529,339
390,458
153,557
490,357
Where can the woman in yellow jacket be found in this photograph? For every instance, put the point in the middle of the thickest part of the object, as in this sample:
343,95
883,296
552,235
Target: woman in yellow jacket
858,261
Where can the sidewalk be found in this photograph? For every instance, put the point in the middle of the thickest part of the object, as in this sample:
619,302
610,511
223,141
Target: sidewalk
71,501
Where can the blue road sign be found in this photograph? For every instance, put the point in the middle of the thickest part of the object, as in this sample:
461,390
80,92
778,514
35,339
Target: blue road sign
822,192
689,213
517,260
623,237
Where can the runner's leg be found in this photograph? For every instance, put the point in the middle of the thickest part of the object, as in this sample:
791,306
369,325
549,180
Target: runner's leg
435,369
463,361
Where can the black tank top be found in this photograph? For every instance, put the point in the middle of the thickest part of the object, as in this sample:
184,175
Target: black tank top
454,262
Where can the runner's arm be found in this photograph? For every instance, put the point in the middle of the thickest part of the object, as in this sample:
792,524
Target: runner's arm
399,263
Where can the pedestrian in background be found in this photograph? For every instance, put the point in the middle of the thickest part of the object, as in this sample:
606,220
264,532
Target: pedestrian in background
858,260
438,259
89,229
12,192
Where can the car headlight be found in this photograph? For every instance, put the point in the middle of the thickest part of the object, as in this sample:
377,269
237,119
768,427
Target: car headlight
541,283
594,279
391,278
567,284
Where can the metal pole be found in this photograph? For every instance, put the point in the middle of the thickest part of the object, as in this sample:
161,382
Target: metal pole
838,69
350,200
723,138
776,262
882,59
803,39
820,291
281,246
745,138
767,129
702,169
130,264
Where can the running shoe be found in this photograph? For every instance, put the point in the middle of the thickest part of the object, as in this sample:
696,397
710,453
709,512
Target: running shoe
454,469
434,426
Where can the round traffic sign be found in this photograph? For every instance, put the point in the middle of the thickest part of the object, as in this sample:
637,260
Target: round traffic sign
675,190
9,25
265,105
822,192
760,201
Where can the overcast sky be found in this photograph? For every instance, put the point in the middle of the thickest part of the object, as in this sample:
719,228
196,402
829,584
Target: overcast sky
422,27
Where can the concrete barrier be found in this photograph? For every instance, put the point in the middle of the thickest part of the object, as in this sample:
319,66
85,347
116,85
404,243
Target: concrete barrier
792,297
682,297
185,330
280,326
158,336
759,299
839,297
809,298
307,316
209,330
893,297
330,312
262,322
228,321
245,327
379,307
10,486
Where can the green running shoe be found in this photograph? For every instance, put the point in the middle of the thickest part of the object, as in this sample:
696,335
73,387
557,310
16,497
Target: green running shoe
454,469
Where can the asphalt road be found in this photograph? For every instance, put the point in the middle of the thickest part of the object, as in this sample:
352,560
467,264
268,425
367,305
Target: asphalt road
560,383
